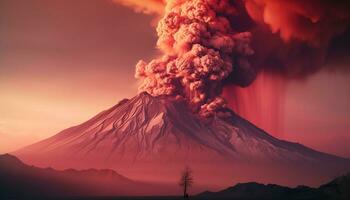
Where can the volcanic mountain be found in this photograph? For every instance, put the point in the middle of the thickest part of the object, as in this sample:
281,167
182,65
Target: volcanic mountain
154,138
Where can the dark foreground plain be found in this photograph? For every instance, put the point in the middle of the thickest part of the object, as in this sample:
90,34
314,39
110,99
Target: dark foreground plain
338,189
98,198
21,182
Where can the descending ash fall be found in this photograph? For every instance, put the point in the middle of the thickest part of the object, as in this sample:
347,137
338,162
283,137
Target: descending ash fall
182,115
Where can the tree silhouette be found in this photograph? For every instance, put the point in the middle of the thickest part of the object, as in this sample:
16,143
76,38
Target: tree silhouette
186,180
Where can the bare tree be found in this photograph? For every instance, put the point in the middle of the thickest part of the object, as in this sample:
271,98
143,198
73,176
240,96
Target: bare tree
186,180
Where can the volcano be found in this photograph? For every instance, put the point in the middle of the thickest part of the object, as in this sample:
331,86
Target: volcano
154,138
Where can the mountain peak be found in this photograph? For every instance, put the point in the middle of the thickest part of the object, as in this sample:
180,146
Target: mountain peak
144,95
9,159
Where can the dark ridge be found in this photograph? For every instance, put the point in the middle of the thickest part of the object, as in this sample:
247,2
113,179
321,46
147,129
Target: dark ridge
337,189
8,161
20,181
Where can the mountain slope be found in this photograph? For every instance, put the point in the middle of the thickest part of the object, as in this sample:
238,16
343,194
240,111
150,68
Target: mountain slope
155,137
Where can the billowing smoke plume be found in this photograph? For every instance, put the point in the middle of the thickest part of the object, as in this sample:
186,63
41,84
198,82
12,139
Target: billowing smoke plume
201,49
211,44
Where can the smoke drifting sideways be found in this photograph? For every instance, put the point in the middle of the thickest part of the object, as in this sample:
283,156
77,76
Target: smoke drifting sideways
305,30
211,45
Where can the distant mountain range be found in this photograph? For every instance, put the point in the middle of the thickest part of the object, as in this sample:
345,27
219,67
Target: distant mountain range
154,138
20,180
338,189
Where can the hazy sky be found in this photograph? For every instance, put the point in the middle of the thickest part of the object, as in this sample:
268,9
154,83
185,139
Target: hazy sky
63,61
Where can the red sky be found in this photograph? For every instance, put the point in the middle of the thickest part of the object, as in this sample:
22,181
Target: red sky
61,62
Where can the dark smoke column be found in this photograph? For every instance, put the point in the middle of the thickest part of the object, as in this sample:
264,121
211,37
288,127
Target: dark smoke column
200,50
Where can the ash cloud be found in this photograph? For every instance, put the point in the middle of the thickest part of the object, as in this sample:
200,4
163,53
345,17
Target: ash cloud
199,46
292,38
314,21
210,44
